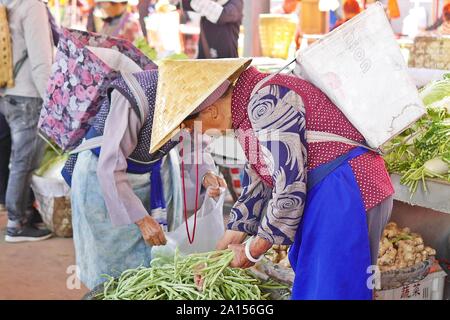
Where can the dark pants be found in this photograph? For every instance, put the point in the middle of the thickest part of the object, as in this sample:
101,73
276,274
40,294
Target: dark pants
5,153
22,115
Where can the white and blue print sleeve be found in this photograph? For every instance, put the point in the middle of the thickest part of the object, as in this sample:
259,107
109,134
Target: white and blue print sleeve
278,118
247,211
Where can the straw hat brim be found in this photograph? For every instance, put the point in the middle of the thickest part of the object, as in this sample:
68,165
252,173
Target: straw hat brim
183,85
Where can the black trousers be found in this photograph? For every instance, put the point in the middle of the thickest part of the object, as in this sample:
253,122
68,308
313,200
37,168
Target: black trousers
5,153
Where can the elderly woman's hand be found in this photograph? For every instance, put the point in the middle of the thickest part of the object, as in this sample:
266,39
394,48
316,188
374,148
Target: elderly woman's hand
231,237
258,247
240,259
151,231
212,182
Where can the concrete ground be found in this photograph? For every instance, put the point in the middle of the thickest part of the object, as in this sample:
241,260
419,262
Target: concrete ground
37,270
40,270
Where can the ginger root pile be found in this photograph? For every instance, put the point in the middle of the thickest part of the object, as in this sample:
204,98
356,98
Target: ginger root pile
399,248
278,255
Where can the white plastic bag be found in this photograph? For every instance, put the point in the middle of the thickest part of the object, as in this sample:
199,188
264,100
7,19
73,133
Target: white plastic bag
360,67
53,203
210,228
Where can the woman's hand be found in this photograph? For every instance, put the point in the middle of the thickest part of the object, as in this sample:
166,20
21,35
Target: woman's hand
231,237
213,183
151,231
240,259
258,247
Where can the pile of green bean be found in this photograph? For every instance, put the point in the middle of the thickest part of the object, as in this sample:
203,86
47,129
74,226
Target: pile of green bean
175,281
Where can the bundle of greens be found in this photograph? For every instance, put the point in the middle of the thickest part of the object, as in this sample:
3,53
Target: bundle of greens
423,151
52,163
152,54
142,45
176,280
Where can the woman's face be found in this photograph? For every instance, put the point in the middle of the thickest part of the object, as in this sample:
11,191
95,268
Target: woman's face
209,122
213,121
111,9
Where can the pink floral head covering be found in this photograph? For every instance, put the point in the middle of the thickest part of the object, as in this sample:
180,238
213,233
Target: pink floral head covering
213,97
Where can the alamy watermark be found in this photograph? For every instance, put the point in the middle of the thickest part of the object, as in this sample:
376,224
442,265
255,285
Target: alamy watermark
73,280
374,279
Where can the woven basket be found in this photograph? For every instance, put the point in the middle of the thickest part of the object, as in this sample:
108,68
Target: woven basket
401,277
6,62
431,53
276,32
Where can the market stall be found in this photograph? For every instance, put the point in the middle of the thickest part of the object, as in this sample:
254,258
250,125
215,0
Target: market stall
407,268
418,161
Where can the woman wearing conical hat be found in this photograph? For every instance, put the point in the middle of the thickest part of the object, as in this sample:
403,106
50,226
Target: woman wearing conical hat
309,181
123,197
117,21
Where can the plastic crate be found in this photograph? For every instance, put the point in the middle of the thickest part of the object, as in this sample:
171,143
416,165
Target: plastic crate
429,288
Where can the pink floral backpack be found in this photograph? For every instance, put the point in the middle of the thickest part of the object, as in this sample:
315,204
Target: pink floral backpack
85,64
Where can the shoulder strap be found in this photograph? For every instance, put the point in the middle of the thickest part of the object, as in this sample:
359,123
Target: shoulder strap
319,136
20,63
267,79
139,95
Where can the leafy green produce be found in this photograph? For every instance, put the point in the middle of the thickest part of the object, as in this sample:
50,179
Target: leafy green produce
152,54
423,151
142,45
175,280
176,56
436,91
50,160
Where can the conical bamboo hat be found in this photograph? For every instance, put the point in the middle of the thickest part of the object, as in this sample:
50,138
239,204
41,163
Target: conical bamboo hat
182,86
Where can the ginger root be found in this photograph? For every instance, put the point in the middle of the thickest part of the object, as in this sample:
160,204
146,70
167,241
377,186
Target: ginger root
399,248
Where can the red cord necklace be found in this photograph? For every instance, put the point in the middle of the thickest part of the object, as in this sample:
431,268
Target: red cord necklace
191,240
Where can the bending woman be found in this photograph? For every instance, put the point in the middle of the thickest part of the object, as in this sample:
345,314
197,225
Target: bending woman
309,182
113,218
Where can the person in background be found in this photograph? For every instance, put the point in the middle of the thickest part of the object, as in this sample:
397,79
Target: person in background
143,8
351,8
53,25
117,21
288,6
444,29
439,21
33,56
90,23
5,153
219,26
436,25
